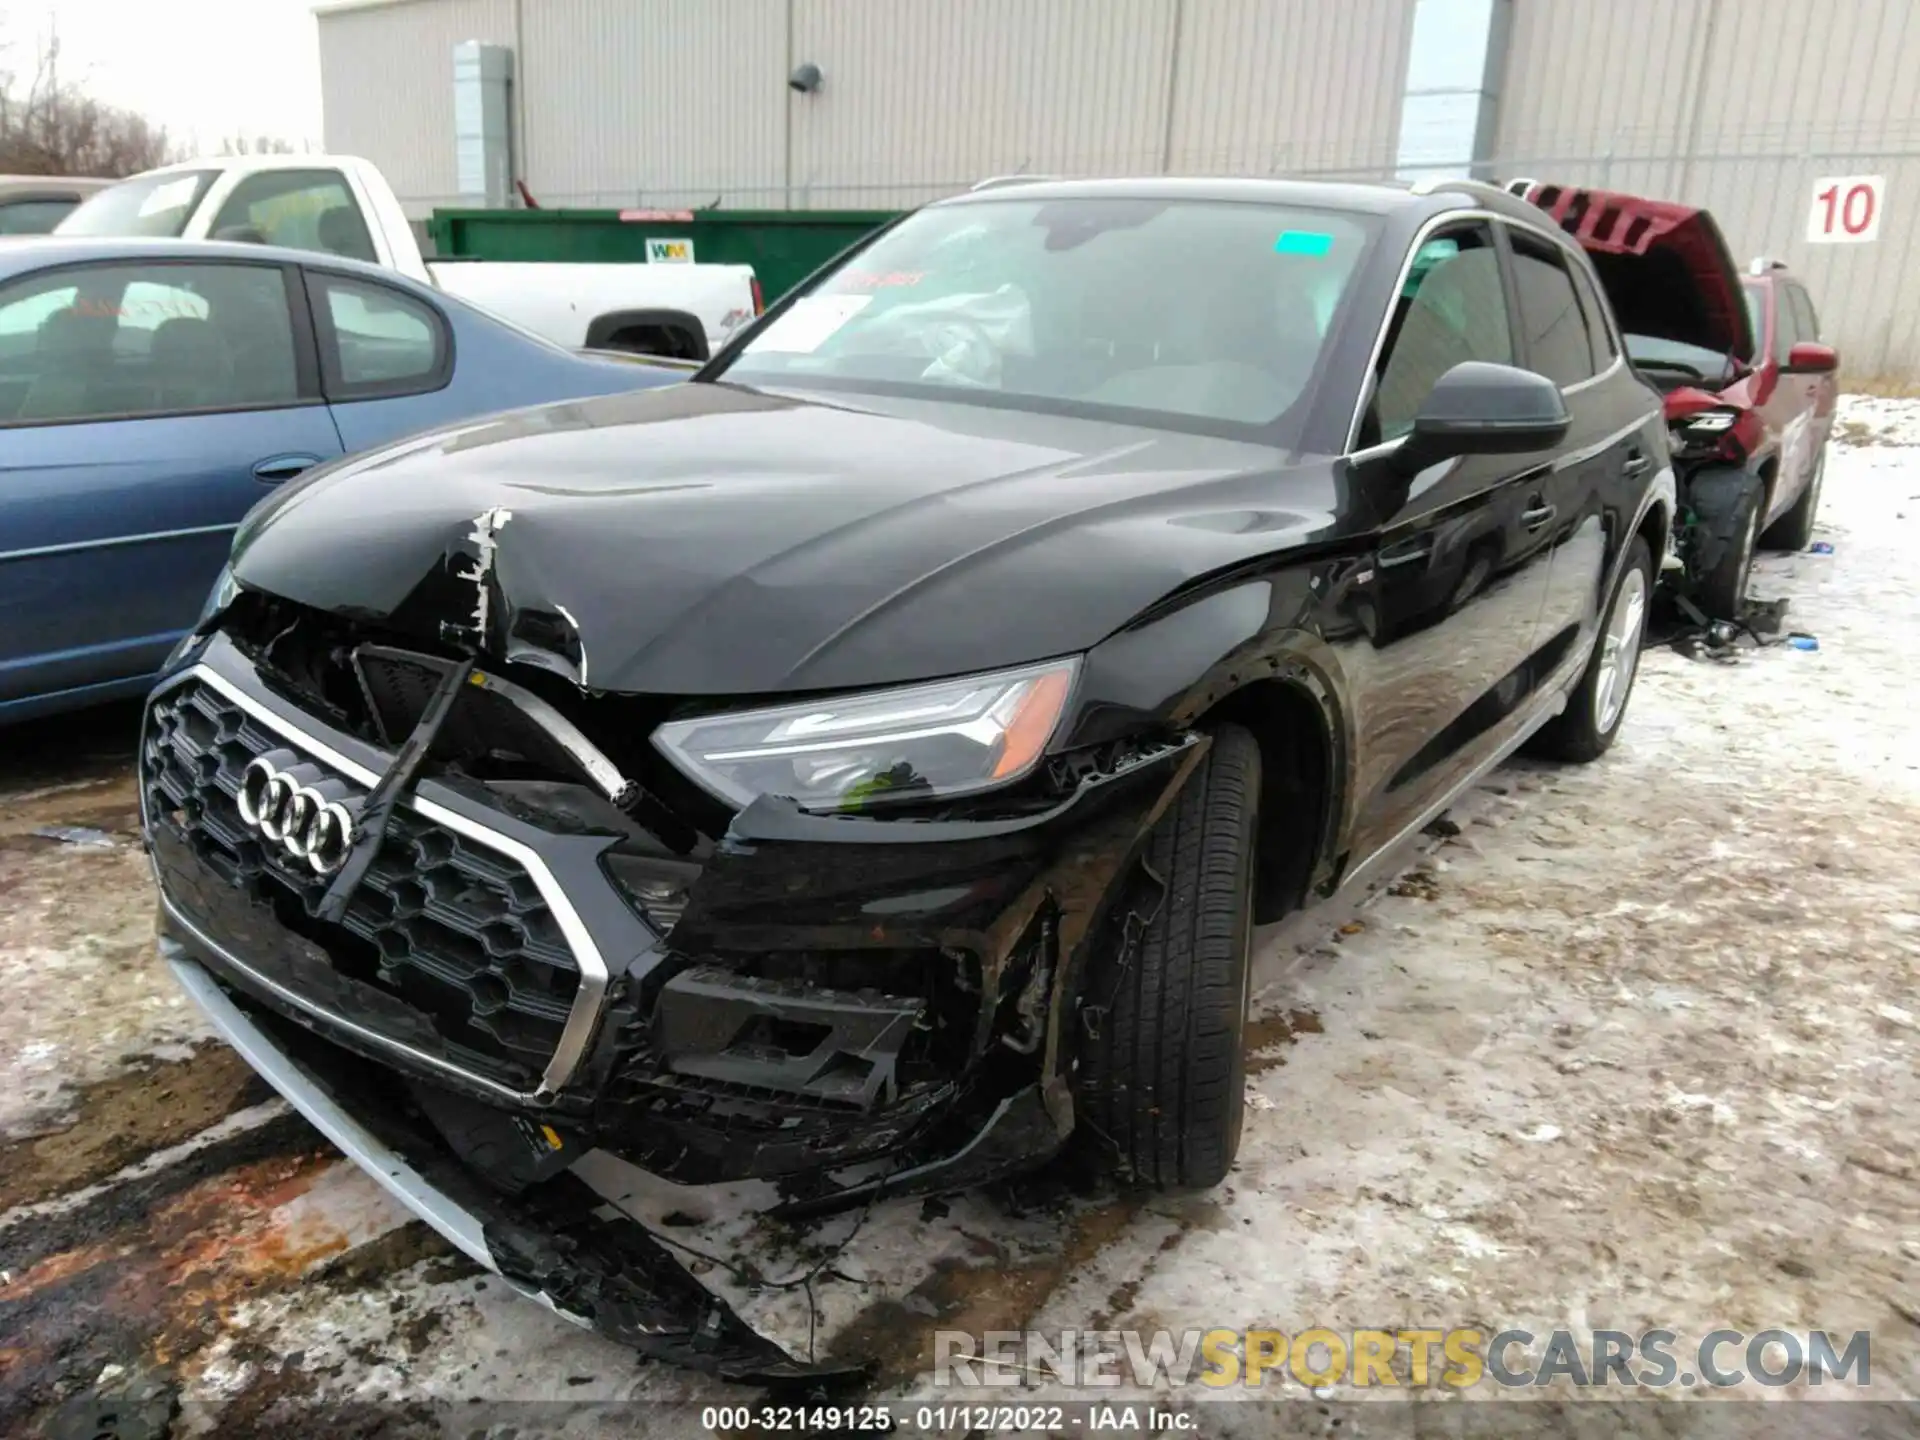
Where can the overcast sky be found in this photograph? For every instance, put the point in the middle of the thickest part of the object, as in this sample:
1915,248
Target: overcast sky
205,69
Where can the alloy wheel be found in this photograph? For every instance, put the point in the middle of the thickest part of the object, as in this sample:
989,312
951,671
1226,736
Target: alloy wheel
1620,649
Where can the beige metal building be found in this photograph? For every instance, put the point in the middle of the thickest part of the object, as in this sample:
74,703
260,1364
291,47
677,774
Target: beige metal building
1737,104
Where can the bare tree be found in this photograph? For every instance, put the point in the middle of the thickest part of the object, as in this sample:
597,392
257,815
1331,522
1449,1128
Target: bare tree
49,127
257,145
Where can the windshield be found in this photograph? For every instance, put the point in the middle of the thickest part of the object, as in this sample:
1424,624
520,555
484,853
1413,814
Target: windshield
1207,314
151,205
1757,315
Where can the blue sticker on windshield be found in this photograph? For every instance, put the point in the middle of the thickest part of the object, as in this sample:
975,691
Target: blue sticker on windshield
1302,242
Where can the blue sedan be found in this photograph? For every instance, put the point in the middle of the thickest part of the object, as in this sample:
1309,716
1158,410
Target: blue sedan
151,391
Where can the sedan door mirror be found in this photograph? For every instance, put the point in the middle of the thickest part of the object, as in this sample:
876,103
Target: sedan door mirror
1478,408
1811,358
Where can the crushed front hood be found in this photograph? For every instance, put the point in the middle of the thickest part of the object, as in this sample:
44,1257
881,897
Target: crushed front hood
1666,267
705,540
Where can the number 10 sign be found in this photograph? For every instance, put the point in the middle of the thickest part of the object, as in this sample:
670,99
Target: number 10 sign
1846,209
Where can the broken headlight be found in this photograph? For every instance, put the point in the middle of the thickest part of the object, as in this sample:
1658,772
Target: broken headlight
224,592
1709,422
1710,433
847,752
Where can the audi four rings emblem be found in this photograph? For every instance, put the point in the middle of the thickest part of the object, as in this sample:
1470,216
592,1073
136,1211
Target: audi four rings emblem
296,805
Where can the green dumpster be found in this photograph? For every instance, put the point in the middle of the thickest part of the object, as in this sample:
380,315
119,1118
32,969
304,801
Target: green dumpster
783,246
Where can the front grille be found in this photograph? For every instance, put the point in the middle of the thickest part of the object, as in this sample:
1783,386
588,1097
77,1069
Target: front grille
458,932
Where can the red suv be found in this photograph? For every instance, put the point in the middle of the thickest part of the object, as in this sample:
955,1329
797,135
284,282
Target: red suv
1793,390
1749,388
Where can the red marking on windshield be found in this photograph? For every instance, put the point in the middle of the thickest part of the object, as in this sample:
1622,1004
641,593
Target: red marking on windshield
880,280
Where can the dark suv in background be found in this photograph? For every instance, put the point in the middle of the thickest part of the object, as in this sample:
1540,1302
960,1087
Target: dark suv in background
863,766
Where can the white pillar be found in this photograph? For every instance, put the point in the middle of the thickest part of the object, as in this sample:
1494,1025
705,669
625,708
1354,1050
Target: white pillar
483,123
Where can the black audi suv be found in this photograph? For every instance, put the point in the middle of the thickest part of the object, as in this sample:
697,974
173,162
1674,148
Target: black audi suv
863,766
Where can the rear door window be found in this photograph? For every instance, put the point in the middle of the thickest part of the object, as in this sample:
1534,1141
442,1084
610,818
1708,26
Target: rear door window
108,342
1553,329
301,209
376,340
1601,333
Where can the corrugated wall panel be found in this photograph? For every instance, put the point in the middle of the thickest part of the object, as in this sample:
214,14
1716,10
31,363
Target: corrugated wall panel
1286,86
666,102
1591,76
386,88
922,96
1740,106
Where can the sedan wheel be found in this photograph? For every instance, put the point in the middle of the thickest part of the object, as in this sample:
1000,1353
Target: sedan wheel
1620,647
1598,704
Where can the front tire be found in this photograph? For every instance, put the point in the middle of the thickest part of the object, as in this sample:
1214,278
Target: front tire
1585,730
1162,1078
1726,506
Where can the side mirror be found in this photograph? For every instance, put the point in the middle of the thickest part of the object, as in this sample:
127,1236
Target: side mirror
1812,358
1478,408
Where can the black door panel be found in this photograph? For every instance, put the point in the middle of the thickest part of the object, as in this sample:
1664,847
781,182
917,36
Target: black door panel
1449,608
1458,575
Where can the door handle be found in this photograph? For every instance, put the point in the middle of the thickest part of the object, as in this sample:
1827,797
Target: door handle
1538,514
1637,464
276,468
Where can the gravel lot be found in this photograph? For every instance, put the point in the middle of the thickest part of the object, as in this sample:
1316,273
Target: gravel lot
1633,1048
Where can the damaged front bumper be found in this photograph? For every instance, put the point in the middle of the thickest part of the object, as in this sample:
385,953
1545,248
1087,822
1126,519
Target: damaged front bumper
849,1008
605,1274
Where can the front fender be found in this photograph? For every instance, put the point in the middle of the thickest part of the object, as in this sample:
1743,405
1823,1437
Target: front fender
1254,650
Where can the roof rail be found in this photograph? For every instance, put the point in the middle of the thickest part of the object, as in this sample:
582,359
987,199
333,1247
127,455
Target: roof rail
995,182
1483,189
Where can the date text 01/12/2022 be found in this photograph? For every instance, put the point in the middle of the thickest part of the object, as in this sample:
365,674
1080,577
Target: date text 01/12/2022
971,1419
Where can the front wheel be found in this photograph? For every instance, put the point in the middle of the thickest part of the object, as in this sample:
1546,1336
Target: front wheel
1162,1078
1726,506
1586,728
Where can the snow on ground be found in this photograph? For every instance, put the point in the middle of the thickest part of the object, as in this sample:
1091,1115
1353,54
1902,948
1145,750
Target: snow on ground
1638,1048
1634,1048
78,981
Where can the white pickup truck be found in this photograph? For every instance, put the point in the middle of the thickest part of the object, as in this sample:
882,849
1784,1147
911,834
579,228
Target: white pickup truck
342,205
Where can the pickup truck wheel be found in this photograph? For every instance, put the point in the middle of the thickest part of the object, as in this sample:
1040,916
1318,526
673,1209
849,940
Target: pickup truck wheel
653,340
1794,530
1598,704
1162,1077
1726,506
